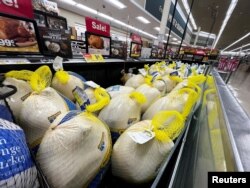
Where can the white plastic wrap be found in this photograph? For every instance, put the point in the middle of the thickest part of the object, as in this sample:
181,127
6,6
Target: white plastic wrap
151,93
117,90
74,149
138,163
15,101
122,112
38,112
135,81
67,88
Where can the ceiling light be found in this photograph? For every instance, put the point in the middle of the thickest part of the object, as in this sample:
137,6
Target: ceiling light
186,6
116,3
70,2
83,7
107,17
237,41
174,39
157,28
143,20
241,47
228,15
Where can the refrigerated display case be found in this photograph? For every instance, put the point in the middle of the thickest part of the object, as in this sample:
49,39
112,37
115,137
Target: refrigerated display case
215,138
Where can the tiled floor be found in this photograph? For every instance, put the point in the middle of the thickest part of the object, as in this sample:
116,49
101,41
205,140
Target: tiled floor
239,84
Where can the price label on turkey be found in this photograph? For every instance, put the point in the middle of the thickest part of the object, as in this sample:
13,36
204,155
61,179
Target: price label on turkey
92,84
141,137
143,72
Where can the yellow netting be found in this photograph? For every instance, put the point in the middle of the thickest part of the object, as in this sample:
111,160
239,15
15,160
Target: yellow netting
41,78
62,76
20,75
138,97
192,99
195,87
146,67
194,72
172,65
167,125
210,82
102,98
148,79
176,79
198,79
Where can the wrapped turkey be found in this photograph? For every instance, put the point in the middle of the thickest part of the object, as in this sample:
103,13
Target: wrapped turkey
118,89
65,82
151,94
160,85
17,167
140,150
135,81
181,101
170,84
123,111
15,101
74,149
38,111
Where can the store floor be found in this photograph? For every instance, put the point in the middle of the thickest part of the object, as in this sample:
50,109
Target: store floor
239,84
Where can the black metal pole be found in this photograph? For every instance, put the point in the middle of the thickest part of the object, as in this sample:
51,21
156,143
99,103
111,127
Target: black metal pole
171,24
185,29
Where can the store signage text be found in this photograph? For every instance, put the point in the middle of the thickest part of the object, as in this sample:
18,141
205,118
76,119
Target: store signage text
7,42
155,9
19,8
98,27
135,38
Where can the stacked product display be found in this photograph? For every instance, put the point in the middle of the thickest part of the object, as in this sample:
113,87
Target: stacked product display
79,131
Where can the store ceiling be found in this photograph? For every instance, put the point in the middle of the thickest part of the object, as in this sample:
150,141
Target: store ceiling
203,13
237,26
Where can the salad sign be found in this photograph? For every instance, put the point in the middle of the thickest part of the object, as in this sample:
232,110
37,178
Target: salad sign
97,27
19,8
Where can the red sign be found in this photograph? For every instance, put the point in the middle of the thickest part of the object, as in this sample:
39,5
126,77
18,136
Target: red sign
21,8
135,38
97,27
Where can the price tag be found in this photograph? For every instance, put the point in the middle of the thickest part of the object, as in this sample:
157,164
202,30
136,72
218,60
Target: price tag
58,63
90,58
99,57
92,84
141,137
143,72
175,73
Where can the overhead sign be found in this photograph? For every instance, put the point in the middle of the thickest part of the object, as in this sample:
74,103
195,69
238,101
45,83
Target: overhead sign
97,27
202,41
156,7
135,38
18,8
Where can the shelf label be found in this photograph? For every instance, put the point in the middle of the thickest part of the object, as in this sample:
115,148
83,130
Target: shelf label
90,58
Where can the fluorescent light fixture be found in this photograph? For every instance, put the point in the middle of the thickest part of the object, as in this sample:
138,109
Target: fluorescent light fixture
187,8
237,41
107,17
142,19
228,15
83,7
157,28
174,39
70,2
240,47
116,4
205,34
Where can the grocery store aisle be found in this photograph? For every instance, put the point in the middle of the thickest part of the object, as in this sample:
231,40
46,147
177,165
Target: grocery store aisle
239,84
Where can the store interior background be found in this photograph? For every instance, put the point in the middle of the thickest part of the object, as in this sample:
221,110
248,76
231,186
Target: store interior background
210,16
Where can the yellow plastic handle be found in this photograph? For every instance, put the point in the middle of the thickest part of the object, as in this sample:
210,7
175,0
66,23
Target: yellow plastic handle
102,98
62,76
138,97
20,75
41,78
167,125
